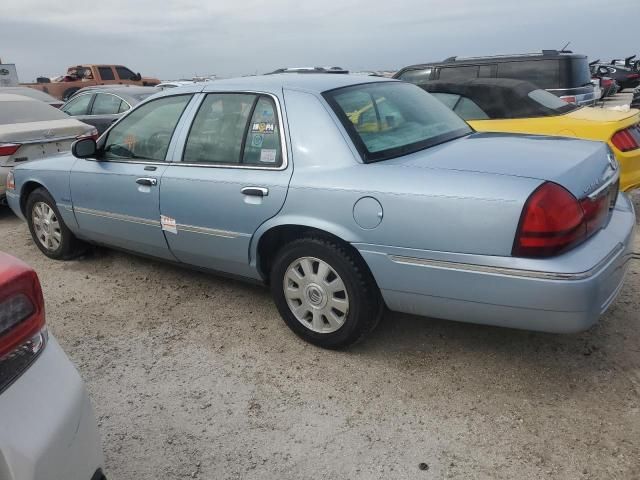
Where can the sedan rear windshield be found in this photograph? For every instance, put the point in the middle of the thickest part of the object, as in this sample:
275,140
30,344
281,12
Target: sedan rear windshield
389,119
28,111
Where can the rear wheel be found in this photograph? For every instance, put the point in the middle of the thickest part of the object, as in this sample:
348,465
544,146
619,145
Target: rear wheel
324,293
48,230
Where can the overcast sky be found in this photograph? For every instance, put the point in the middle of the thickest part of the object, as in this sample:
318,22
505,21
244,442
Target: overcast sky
171,39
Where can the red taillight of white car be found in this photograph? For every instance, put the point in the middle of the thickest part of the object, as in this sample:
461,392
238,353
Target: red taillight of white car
93,133
22,318
569,98
553,220
7,149
627,139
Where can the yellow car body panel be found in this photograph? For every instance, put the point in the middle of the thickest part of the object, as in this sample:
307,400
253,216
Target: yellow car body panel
588,123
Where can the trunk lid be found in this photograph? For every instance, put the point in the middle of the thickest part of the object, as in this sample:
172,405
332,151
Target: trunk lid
602,115
580,166
46,131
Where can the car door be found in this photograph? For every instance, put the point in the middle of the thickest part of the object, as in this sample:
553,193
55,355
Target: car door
116,195
229,174
106,108
80,107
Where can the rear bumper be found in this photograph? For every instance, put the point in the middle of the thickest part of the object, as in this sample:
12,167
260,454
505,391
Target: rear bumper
47,425
564,294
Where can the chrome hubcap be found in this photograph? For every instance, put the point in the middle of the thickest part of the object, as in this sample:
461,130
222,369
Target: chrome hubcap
46,226
316,295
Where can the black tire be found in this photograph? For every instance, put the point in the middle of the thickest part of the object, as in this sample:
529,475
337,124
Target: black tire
69,246
365,302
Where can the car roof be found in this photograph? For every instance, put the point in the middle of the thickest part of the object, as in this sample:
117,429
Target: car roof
275,83
10,97
120,89
465,87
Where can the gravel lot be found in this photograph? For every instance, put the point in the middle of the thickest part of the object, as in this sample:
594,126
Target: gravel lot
193,376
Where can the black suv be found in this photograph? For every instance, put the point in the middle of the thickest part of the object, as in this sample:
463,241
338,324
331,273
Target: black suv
564,74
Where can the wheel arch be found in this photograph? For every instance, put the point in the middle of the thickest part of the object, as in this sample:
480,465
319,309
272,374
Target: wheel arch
272,237
27,188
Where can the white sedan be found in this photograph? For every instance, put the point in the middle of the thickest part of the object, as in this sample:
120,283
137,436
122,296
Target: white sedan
31,129
48,429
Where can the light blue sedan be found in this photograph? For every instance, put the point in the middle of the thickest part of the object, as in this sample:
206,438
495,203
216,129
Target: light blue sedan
345,194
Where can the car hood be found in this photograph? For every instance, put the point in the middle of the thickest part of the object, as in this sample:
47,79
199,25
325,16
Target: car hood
601,115
45,131
580,166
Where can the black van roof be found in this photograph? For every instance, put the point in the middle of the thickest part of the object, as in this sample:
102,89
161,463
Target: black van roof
543,55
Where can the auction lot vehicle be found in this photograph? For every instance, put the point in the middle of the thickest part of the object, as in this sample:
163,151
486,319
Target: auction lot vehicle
502,105
101,106
394,200
82,76
31,129
624,77
33,93
47,425
566,75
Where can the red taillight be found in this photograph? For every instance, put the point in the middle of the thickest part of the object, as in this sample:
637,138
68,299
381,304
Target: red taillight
8,149
93,133
21,307
553,220
569,99
627,139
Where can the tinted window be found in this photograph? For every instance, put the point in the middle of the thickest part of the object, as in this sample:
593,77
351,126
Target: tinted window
579,73
78,105
28,111
106,73
106,104
146,132
262,146
458,73
416,76
386,120
218,130
487,71
550,101
543,73
124,73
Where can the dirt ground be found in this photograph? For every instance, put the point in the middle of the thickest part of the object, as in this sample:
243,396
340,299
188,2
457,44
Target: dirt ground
193,376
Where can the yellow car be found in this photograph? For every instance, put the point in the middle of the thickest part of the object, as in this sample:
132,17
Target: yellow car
504,105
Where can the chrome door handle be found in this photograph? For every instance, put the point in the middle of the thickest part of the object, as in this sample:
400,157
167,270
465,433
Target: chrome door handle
255,191
147,182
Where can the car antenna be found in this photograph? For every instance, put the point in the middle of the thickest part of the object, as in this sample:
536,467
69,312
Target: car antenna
568,43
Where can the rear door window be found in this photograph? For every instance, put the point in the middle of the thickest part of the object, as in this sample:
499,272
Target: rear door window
416,76
262,146
78,105
218,131
106,104
458,73
543,73
124,73
106,73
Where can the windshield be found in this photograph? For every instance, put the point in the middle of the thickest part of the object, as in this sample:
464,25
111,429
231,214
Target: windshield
390,119
28,111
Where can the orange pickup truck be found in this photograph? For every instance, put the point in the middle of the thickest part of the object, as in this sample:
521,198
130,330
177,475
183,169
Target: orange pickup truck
82,76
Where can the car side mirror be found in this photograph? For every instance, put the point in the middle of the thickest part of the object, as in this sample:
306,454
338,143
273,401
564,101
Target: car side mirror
137,77
84,148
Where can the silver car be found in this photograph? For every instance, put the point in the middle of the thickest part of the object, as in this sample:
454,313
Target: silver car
345,194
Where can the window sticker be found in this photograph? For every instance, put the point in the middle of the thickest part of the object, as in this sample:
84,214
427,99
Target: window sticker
168,224
263,127
257,140
268,155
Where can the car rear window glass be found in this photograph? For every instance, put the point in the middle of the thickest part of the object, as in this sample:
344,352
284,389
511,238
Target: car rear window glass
145,133
551,102
543,73
218,131
106,73
78,105
28,111
579,72
463,106
106,104
458,73
390,119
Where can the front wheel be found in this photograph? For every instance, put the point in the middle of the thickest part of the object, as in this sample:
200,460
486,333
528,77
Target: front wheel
48,230
324,292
